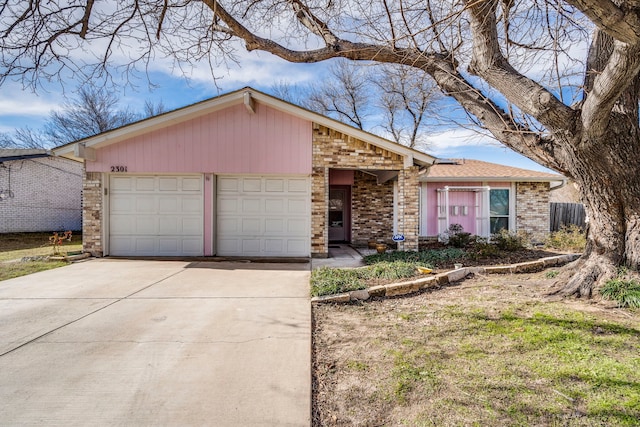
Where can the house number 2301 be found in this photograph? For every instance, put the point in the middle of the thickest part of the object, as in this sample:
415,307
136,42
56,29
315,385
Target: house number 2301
118,168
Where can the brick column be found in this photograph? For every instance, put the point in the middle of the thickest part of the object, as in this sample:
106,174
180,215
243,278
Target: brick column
408,208
319,212
532,209
92,213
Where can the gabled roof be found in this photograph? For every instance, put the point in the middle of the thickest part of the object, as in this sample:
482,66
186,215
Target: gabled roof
246,95
477,170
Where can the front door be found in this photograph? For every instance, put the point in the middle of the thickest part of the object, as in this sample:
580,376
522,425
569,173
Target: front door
339,214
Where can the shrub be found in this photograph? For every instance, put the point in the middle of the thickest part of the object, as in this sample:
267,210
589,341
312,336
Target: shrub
457,237
429,258
571,238
483,249
625,292
509,241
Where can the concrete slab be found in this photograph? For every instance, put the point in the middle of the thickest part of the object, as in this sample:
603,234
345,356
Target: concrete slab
340,256
180,348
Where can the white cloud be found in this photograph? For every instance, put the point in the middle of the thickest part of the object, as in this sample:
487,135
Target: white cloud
457,140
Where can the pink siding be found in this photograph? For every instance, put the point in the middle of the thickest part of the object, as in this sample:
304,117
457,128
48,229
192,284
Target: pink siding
227,141
430,206
429,222
208,214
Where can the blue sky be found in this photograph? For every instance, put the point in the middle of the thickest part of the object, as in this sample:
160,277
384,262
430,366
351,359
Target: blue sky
21,107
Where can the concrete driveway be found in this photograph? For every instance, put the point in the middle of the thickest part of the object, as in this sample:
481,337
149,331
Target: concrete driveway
133,342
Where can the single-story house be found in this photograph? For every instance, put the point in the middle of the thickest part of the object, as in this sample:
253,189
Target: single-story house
39,192
485,197
245,174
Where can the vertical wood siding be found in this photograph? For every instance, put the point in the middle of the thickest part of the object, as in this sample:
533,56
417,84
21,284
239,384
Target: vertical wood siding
229,141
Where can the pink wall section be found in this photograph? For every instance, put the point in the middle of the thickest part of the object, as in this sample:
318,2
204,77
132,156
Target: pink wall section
227,141
429,222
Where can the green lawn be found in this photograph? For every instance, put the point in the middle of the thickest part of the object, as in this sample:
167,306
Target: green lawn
488,351
15,246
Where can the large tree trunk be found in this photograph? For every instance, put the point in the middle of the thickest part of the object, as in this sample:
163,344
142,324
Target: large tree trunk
608,174
605,163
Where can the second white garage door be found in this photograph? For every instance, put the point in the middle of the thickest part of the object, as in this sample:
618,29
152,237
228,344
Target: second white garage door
263,216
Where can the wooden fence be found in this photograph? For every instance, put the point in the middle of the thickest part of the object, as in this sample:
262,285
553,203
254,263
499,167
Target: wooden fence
567,214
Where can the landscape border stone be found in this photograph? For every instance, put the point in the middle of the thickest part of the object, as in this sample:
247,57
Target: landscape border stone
413,286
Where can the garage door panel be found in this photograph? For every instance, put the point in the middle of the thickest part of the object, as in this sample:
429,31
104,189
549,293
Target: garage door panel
251,225
297,185
296,226
168,184
273,225
122,225
274,246
251,206
228,225
227,205
297,206
122,204
144,204
144,184
145,224
121,183
156,215
260,216
274,206
274,185
191,226
252,185
251,246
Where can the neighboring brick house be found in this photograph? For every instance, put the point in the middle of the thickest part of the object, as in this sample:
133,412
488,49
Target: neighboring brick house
485,197
245,174
39,192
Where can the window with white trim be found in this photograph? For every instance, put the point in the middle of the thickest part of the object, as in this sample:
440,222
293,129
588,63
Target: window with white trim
499,209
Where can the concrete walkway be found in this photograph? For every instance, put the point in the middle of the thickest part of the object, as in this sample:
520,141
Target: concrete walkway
122,342
340,256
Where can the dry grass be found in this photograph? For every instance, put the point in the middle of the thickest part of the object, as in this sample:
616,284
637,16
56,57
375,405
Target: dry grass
15,246
488,351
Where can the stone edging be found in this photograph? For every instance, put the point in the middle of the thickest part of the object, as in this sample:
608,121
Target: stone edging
404,288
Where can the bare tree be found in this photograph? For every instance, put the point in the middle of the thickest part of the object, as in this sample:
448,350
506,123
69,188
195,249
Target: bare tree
94,111
352,93
345,95
25,137
406,97
513,66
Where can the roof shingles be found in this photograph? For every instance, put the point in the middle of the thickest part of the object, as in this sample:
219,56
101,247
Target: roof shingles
465,168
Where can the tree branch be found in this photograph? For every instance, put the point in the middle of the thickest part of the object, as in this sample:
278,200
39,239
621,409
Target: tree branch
606,15
622,68
443,71
489,63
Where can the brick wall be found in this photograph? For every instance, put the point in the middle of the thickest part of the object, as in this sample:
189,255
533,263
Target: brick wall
46,195
92,213
372,210
409,208
334,150
532,209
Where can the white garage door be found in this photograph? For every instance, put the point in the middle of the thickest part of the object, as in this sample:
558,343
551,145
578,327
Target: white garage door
156,215
263,216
